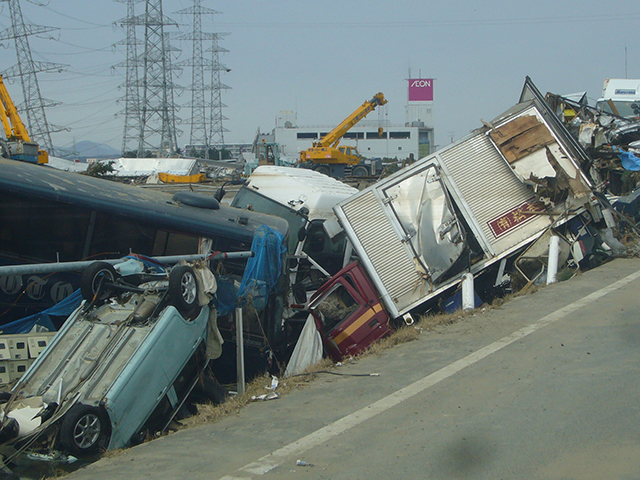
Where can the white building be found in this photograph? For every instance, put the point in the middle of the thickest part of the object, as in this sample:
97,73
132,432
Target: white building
414,138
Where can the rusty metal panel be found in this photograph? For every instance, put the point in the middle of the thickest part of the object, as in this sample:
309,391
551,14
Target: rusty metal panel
389,257
500,203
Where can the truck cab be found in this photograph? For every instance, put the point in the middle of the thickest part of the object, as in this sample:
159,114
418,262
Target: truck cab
348,313
621,97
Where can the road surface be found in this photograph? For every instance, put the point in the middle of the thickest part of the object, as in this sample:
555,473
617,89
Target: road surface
546,386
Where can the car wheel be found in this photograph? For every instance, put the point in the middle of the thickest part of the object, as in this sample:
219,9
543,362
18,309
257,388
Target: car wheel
93,279
183,291
84,430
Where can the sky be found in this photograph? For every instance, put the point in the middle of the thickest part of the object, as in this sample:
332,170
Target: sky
322,59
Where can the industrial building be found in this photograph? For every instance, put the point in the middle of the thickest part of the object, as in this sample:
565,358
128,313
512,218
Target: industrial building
374,138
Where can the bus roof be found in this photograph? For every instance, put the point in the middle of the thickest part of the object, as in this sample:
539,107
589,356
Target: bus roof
131,201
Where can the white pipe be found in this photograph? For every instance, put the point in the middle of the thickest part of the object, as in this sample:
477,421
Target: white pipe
239,351
554,252
468,300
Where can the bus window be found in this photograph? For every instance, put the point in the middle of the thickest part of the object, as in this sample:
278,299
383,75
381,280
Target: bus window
38,230
167,243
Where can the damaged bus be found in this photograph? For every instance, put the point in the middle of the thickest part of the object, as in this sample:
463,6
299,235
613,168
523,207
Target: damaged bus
54,217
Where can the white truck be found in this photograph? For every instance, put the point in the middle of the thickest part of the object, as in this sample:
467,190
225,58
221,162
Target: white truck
620,96
467,206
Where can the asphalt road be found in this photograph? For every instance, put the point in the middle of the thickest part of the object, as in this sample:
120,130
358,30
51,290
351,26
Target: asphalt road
545,387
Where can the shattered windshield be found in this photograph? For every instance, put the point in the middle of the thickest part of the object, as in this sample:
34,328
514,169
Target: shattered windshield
422,208
336,306
624,108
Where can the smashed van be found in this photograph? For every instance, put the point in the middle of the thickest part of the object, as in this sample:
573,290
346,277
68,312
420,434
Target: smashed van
620,96
462,209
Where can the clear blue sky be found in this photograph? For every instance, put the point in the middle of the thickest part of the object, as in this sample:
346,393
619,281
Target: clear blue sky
324,58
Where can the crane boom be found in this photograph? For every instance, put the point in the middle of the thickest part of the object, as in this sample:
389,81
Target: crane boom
332,138
326,150
10,116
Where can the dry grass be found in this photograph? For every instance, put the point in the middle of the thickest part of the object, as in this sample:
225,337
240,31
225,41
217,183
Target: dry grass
210,413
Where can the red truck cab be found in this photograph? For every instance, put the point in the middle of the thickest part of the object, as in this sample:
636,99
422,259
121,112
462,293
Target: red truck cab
348,313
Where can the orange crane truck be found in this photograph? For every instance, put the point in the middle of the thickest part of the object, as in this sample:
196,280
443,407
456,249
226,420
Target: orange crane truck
328,157
18,144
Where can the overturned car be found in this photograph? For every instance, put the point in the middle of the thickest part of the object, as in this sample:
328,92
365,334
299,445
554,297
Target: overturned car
122,365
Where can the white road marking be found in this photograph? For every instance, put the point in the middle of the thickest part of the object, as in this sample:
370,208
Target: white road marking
275,458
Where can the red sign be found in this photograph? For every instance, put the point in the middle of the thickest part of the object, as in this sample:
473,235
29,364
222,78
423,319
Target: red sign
421,89
516,217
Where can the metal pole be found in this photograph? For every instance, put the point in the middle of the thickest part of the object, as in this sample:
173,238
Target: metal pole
554,252
240,351
81,265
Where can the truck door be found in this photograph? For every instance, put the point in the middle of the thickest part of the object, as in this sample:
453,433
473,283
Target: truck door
428,223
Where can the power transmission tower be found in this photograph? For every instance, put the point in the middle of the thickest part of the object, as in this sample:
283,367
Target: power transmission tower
217,129
26,69
200,131
157,106
198,134
131,99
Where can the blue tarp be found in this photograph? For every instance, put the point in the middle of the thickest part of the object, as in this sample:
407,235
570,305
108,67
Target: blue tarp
629,160
226,299
263,269
63,308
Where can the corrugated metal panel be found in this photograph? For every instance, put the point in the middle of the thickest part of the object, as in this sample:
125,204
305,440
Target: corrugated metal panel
388,255
490,189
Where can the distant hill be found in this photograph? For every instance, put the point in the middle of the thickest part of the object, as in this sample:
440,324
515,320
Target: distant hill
87,149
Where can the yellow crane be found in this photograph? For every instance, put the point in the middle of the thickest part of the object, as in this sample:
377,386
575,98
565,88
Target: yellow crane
327,150
18,145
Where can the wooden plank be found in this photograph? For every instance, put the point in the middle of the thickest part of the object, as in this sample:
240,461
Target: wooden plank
517,126
521,137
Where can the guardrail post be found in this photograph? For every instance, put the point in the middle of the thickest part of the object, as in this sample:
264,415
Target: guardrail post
240,351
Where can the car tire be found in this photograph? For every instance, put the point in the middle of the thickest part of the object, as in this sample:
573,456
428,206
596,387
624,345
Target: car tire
84,430
93,277
183,291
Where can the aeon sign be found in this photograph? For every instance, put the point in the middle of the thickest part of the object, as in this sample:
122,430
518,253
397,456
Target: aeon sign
421,89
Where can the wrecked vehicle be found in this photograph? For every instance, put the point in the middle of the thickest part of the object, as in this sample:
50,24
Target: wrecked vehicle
304,198
472,205
55,217
121,366
609,132
317,248
348,313
319,251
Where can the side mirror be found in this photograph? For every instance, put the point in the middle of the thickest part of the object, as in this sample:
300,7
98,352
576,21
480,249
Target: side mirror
302,234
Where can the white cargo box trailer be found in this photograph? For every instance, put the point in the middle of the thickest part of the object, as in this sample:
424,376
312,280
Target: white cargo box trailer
465,207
